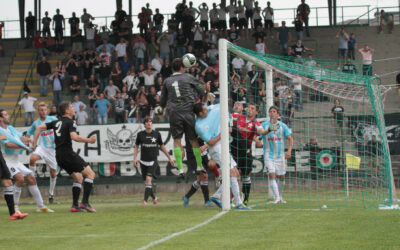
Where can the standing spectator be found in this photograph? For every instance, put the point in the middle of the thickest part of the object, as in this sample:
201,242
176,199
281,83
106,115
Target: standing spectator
304,10
81,116
203,9
298,99
76,103
352,46
163,42
143,22
283,36
119,104
77,38
180,8
131,81
298,27
152,48
90,32
30,21
149,14
197,39
92,83
222,19
43,69
139,50
149,77
58,24
105,56
166,69
28,101
116,75
259,33
132,112
248,4
121,49
193,11
125,65
111,90
46,21
338,117
157,63
388,19
1,37
237,63
343,38
233,35
242,23
104,75
260,46
268,14
109,47
86,20
212,54
214,17
39,44
181,42
57,78
75,86
158,19
102,107
367,54
93,96
73,21
232,10
257,15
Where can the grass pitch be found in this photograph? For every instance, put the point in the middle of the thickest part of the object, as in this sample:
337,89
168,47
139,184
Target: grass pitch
121,222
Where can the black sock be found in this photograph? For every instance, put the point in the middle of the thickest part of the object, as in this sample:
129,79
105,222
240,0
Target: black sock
87,189
147,191
76,191
9,197
154,190
204,189
193,189
246,191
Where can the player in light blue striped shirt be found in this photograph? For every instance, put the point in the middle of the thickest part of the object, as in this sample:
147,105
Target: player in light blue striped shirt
45,149
274,152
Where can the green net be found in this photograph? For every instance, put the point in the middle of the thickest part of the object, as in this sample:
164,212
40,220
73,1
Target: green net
340,155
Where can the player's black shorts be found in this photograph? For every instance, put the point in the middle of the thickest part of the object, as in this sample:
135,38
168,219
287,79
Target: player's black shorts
182,123
244,160
249,14
4,171
242,23
70,162
152,171
257,22
269,24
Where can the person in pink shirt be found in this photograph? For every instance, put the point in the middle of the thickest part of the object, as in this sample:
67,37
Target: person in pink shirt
366,54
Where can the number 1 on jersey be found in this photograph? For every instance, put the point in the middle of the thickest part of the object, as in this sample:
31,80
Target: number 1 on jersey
176,87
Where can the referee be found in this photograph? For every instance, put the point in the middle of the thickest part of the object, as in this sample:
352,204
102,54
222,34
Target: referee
150,141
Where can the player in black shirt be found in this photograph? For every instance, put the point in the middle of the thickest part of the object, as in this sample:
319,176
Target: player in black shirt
67,159
150,142
179,95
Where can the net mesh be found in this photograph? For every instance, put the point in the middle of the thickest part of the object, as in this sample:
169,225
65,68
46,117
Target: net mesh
340,155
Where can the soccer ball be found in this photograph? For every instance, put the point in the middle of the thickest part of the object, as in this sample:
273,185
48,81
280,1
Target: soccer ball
189,60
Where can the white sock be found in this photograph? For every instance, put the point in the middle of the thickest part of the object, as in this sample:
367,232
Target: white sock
270,191
218,192
235,190
33,168
280,187
34,190
52,185
17,194
274,188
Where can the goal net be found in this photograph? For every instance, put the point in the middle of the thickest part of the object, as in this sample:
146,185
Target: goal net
340,155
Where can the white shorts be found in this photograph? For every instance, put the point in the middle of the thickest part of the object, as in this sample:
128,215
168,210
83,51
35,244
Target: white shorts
276,166
48,155
215,155
16,167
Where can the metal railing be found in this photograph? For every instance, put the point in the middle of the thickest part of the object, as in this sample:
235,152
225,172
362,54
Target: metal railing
17,112
373,15
346,15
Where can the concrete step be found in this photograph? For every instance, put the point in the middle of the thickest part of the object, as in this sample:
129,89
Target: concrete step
28,62
33,94
20,83
25,53
20,78
11,103
24,70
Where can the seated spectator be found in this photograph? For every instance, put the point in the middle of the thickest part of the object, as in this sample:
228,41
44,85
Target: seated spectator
102,107
349,67
260,46
125,65
75,86
212,54
120,49
81,116
76,103
149,76
233,35
92,83
111,90
152,48
119,104
105,56
93,96
139,50
109,47
116,75
131,82
144,107
104,75
237,63
163,42
157,63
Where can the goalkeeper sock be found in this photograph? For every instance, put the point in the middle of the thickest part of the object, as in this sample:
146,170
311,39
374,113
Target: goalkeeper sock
197,155
178,158
246,186
235,190
193,189
274,188
204,189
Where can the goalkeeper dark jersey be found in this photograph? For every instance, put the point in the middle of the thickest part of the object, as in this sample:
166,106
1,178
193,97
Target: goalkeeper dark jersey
179,92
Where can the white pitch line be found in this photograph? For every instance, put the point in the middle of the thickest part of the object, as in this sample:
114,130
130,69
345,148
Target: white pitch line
151,244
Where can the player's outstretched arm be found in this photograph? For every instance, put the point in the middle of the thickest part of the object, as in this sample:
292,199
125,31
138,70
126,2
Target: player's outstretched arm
78,138
214,140
37,133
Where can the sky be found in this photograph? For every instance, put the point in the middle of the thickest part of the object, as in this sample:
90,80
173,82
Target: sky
107,8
